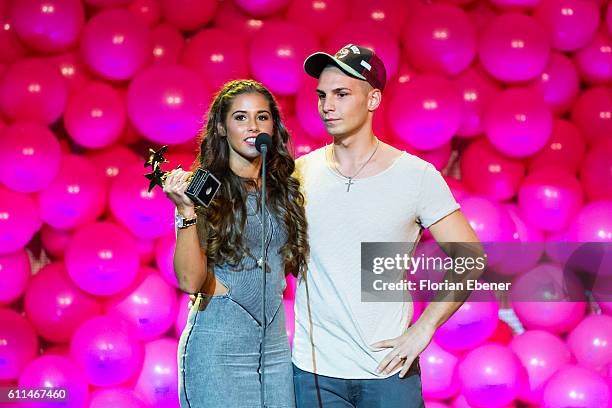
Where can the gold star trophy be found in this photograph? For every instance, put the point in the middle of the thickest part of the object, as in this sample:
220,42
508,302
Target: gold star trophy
202,187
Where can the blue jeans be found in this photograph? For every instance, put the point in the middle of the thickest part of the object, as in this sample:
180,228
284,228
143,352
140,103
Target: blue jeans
318,391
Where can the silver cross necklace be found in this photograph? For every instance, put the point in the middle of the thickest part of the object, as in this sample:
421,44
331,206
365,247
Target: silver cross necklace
349,181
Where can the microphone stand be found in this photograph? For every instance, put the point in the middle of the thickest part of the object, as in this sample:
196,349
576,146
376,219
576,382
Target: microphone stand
264,258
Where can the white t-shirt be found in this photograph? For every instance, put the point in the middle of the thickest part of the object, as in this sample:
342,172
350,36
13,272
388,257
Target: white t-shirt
388,207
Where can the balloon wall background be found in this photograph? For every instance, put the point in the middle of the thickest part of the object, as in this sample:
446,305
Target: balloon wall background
512,99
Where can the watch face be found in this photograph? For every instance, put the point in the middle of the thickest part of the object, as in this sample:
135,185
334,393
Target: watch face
178,220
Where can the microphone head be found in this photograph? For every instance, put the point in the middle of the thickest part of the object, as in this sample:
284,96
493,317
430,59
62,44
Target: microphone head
263,139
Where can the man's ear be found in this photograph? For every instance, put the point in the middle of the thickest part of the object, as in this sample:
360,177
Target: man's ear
374,99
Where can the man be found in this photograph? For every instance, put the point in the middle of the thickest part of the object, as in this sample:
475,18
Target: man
349,353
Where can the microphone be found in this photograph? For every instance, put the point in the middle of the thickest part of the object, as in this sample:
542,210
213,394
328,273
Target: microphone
263,139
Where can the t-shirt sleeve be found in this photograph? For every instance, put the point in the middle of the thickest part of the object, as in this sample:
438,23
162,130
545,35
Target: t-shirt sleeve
436,200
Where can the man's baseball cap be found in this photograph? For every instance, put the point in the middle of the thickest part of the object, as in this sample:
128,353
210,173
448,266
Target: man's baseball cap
356,61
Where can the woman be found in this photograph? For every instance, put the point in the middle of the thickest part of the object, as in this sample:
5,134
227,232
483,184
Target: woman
220,348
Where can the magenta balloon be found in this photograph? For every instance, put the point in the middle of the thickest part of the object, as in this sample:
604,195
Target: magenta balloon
107,3
57,372
164,258
110,162
438,372
32,90
102,258
426,112
591,342
19,222
188,15
277,53
307,112
574,386
157,384
75,197
609,18
107,350
145,214
594,61
490,221
491,376
300,142
49,26
572,23
440,38
289,292
118,397
168,44
148,11
184,305
367,35
559,83
327,13
458,189
115,44
288,305
55,240
390,15
596,172
435,404
11,47
486,172
565,149
95,115
477,89
217,56
72,69
542,354
514,47
15,268
150,306
55,305
231,18
146,250
18,344
166,103
515,4
262,8
519,123
29,157
592,113
549,198
439,156
593,223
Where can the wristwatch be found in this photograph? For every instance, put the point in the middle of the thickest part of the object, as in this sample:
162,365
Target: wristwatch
181,222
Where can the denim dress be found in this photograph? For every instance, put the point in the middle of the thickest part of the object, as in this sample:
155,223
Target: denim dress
220,349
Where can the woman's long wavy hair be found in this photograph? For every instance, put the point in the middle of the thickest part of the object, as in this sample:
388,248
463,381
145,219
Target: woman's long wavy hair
224,220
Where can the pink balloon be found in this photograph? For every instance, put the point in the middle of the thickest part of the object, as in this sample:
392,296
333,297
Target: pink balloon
57,372
609,18
288,305
435,404
232,19
164,256
438,372
565,149
593,223
107,3
573,386
29,157
592,114
118,397
458,189
307,112
72,69
289,292
277,53
110,162
596,172
19,222
300,142
367,35
102,258
490,221
426,112
50,26
55,305
514,47
184,305
157,384
477,89
572,23
107,350
18,344
188,15
328,14
390,15
148,11
262,8
217,56
439,156
168,44
166,103
558,83
15,268
149,304
515,4
542,354
146,250
594,61
75,197
115,44
440,38
591,342
491,376
55,240
11,47
95,115
549,198
486,172
32,90
145,214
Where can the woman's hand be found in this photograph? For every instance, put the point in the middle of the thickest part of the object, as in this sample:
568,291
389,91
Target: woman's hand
175,186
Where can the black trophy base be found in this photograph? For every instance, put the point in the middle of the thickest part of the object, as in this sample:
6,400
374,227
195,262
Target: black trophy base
203,187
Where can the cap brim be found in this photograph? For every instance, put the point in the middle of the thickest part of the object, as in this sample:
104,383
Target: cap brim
315,64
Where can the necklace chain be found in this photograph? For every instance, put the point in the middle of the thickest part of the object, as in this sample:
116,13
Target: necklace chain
350,178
